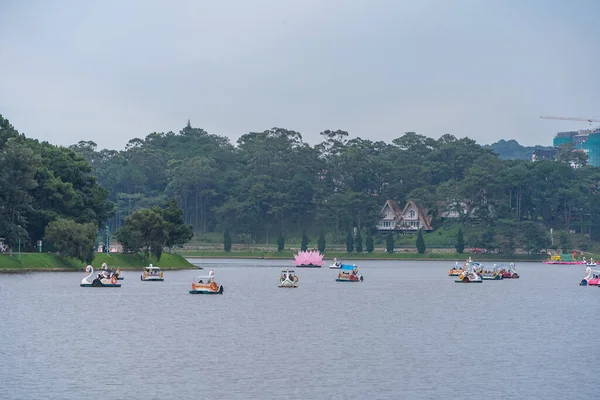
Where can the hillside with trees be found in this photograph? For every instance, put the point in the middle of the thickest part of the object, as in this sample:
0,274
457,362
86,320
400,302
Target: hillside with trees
512,150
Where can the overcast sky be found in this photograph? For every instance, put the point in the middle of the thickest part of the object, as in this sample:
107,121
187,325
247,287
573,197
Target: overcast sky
110,71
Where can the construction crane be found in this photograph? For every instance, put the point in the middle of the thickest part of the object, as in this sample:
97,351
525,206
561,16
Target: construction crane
590,120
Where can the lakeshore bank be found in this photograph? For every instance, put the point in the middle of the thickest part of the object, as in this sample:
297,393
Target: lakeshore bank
399,256
46,262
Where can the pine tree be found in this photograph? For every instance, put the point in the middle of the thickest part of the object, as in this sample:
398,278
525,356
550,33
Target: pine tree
321,242
389,243
226,241
420,242
349,243
369,243
460,242
359,242
280,242
305,241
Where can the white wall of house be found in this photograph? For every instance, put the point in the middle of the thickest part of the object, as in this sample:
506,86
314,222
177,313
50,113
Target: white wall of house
386,225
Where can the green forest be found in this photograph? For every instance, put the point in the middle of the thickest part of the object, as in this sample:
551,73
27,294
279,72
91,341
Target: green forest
272,184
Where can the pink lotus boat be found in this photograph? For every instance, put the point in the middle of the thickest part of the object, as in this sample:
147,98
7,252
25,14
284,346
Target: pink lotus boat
591,278
308,259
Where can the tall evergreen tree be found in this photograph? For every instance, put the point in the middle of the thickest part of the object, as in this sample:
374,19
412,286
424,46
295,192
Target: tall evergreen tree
321,242
280,242
370,246
305,241
359,242
349,243
420,242
226,241
389,242
460,242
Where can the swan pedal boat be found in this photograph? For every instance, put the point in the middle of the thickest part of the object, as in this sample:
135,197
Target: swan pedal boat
152,273
349,273
117,272
288,279
456,271
493,275
591,277
591,263
510,272
104,279
469,276
206,285
336,264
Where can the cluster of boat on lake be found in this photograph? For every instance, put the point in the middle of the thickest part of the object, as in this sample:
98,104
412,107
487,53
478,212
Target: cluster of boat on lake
470,272
207,284
591,277
475,272
110,278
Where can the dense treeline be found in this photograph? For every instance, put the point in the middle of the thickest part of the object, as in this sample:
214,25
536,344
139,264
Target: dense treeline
42,183
272,182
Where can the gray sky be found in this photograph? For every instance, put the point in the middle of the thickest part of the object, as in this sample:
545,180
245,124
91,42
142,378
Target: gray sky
110,71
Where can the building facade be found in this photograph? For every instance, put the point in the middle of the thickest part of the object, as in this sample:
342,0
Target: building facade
410,218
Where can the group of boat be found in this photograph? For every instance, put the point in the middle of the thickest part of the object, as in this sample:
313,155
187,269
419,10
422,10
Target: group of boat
207,284
110,278
475,272
557,259
347,273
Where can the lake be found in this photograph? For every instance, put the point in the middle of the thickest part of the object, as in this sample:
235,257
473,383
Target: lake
407,332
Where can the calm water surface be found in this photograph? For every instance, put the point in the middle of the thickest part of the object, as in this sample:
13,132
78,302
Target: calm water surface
408,331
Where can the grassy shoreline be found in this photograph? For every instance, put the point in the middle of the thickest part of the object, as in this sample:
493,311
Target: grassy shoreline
366,256
44,262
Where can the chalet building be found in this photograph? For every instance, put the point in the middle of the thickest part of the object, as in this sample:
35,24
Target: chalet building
454,210
411,218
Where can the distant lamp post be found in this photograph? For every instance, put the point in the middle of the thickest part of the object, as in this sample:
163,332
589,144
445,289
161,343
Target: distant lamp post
19,233
107,243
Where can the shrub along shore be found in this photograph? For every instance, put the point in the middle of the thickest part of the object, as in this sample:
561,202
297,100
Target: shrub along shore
51,262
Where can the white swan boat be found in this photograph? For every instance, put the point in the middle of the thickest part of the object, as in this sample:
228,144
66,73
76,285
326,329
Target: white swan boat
117,272
469,276
288,279
336,264
590,263
104,279
591,278
206,285
152,273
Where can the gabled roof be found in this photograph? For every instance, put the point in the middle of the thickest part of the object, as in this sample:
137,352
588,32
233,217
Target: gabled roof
423,217
399,212
393,204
